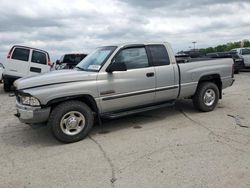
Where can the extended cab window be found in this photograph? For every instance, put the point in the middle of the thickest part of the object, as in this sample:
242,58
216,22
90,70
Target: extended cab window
159,55
134,58
21,54
39,57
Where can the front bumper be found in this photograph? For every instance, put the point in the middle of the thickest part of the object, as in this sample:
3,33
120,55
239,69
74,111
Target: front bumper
28,114
247,62
238,65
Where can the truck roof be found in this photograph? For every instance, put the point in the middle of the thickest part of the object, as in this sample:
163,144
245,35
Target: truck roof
136,43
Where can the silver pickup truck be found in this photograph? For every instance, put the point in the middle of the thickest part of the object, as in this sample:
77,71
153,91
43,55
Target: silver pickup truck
115,81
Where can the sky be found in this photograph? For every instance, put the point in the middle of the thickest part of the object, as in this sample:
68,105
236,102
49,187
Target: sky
69,26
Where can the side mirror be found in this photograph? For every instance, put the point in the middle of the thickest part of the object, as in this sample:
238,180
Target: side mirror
117,66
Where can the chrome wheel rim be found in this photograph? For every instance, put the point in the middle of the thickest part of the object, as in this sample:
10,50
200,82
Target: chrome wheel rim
209,97
72,123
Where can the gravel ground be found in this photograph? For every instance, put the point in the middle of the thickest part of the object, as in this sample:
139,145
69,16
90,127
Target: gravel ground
172,147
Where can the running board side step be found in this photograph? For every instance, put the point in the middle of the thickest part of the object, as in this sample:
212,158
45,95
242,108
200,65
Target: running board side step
135,111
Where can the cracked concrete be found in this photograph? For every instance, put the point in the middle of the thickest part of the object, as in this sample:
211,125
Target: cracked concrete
106,157
217,137
164,148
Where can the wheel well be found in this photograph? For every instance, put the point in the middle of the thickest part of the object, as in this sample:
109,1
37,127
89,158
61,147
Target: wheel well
214,78
87,99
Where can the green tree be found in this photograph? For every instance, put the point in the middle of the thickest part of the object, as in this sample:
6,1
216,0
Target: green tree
225,47
210,50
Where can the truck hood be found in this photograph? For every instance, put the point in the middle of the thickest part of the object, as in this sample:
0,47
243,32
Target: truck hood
54,77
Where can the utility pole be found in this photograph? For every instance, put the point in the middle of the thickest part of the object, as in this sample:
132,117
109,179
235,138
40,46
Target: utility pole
194,42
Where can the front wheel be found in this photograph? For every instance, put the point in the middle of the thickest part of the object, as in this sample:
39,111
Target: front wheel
71,121
206,97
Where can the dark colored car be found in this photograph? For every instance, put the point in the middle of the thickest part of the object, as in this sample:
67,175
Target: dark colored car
69,61
219,55
238,61
212,55
182,58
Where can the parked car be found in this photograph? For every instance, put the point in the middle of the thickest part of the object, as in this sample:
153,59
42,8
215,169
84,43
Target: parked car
182,58
238,61
69,61
24,61
243,53
219,55
115,81
1,72
194,53
212,55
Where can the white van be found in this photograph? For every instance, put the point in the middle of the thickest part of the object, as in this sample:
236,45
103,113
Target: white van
245,54
24,61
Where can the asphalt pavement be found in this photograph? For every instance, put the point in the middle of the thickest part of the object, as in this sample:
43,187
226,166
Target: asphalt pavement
170,147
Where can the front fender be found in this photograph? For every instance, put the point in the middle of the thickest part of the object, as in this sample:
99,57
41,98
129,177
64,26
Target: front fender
51,92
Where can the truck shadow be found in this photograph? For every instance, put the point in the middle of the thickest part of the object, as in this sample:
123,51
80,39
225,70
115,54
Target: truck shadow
142,119
22,135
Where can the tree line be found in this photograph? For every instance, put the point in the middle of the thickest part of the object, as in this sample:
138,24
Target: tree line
226,47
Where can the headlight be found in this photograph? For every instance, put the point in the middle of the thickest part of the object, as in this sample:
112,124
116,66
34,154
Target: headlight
29,100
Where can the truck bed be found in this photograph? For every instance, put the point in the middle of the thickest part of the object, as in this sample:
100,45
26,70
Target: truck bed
206,59
190,73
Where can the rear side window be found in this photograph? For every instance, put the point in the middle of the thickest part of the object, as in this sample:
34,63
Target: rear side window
159,55
39,57
21,54
134,58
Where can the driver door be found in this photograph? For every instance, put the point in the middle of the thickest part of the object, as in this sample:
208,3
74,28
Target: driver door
135,87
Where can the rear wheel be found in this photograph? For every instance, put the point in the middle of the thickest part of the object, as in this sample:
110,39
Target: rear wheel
6,84
71,121
206,97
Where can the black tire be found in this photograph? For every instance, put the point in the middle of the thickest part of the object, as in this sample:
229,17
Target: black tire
236,72
6,85
59,112
198,98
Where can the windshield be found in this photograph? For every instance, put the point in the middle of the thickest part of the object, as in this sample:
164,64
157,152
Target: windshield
95,60
245,51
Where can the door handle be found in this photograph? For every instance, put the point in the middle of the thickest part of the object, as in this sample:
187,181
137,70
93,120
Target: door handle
150,74
35,69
